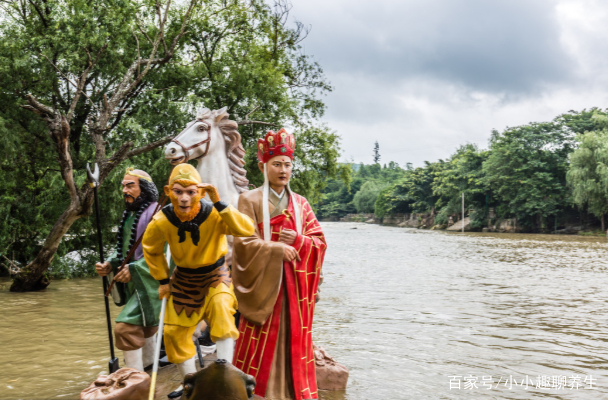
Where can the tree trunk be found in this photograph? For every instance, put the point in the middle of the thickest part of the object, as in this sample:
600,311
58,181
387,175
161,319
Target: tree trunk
603,226
33,276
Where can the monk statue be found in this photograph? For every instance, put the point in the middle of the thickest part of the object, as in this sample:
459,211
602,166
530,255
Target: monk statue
136,290
276,275
200,288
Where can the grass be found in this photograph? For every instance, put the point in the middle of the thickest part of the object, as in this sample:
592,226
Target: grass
593,233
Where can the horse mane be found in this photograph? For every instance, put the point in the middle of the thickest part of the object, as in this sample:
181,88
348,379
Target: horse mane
235,152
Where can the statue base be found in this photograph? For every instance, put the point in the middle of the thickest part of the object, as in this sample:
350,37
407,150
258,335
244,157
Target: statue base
331,375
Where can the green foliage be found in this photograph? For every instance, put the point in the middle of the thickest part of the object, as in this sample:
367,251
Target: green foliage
588,173
413,193
384,202
365,199
526,169
243,55
442,217
522,174
462,173
77,264
582,121
338,197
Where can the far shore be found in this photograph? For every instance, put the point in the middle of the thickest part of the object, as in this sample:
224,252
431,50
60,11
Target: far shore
597,233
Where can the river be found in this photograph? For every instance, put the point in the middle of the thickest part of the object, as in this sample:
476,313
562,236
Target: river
413,314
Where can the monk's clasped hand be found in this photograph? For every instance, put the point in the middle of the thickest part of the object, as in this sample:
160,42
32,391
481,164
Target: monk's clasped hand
288,236
211,191
164,291
290,254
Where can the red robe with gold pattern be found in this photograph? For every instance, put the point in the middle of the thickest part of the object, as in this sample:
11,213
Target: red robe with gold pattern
300,279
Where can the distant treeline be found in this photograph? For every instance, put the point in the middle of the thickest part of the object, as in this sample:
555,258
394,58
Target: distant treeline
541,173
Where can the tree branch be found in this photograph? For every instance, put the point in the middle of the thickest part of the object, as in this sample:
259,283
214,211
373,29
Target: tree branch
149,146
79,91
59,130
145,35
162,24
44,21
246,122
128,83
251,112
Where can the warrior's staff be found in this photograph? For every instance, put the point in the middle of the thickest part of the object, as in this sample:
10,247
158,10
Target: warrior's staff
159,339
94,182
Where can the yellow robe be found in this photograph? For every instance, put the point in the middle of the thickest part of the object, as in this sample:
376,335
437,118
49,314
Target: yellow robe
220,303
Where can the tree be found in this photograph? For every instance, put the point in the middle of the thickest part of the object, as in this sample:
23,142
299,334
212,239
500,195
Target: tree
413,193
462,173
115,81
81,67
526,170
365,199
580,122
376,152
588,173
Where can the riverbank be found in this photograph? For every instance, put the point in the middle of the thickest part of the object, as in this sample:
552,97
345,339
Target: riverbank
510,225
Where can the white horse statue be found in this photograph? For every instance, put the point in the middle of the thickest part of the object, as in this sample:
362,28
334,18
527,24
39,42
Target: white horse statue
215,143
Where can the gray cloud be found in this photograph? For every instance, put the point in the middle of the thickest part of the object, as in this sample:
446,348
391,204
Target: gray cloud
422,76
487,45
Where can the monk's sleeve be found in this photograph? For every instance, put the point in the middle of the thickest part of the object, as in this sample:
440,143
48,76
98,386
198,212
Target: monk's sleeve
153,245
234,222
256,271
311,247
312,237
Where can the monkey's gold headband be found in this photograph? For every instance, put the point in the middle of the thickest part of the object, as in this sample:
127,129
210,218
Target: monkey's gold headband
129,171
185,172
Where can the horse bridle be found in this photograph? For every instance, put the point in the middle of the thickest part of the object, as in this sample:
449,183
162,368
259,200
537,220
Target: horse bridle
194,146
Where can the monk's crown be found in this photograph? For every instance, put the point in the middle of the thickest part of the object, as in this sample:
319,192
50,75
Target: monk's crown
185,173
274,144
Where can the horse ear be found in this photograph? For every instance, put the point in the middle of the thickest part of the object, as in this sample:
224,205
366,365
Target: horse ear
219,114
202,113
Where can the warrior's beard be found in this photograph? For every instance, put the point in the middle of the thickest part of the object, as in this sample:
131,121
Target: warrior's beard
195,207
135,204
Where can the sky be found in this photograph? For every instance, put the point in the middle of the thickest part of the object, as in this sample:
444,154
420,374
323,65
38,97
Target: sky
424,76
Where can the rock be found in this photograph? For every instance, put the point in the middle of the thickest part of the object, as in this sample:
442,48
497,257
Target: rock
458,225
331,375
124,384
370,221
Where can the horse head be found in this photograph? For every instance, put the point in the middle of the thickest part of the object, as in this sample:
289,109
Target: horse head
214,142
200,138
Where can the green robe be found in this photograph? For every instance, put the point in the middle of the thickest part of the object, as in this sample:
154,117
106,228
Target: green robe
140,295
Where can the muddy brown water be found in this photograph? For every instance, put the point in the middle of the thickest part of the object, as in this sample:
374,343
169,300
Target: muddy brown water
414,314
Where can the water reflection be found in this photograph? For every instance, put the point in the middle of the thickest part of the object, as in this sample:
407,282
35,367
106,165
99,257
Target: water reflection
406,310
